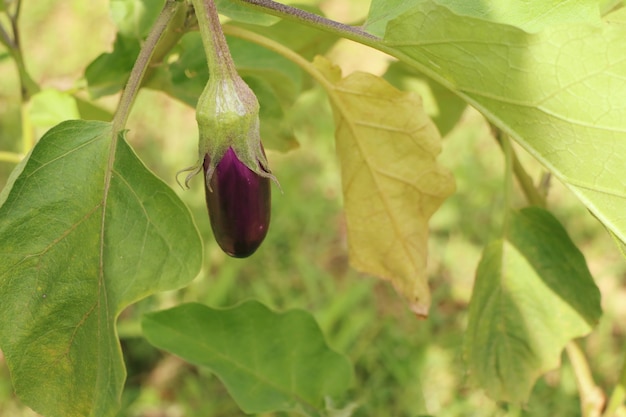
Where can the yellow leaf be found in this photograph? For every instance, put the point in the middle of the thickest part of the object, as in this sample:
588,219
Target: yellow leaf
392,184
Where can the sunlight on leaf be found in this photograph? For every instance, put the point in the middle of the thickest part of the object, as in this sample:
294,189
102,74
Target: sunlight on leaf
391,182
83,234
533,294
559,92
529,15
268,361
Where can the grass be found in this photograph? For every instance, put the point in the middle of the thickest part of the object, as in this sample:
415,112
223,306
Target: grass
404,367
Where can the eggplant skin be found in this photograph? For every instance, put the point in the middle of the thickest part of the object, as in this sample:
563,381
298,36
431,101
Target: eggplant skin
239,204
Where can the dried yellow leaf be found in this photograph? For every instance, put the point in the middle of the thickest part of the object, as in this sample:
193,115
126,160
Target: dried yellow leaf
392,185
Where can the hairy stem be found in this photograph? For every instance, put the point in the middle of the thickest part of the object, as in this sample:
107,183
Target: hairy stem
176,29
141,64
282,10
221,65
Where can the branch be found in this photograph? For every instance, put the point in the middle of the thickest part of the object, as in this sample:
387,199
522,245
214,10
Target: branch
141,64
592,398
311,19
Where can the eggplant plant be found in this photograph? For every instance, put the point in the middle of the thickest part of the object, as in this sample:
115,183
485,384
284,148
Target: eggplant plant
90,236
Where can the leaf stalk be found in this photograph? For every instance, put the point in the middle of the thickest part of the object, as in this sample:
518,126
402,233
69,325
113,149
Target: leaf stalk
141,64
592,398
355,33
219,60
10,157
532,194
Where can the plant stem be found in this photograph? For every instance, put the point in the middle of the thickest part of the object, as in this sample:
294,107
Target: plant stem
508,179
282,10
141,64
11,157
533,195
592,398
176,29
219,60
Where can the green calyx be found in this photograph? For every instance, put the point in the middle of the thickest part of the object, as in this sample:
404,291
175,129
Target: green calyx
227,111
228,117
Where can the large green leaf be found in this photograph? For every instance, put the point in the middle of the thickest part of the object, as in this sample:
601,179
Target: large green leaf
558,91
391,181
533,294
528,15
85,230
268,361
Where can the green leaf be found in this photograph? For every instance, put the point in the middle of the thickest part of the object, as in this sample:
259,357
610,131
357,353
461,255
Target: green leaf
382,11
50,107
108,73
134,18
284,77
533,294
90,111
244,14
309,41
268,361
559,92
530,15
85,231
276,133
392,184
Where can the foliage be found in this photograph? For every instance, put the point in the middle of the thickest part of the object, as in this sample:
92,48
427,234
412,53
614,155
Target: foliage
86,230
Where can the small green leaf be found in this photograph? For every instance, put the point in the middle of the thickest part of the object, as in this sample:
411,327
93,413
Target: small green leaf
276,132
85,230
50,107
91,111
268,361
533,294
309,41
244,14
108,73
134,18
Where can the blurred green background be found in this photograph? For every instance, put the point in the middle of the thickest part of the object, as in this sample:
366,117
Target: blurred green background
404,367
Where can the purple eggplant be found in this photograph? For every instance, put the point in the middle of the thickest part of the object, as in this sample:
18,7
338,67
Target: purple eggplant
239,204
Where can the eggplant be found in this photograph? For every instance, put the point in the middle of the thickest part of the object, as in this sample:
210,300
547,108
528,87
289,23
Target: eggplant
239,205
